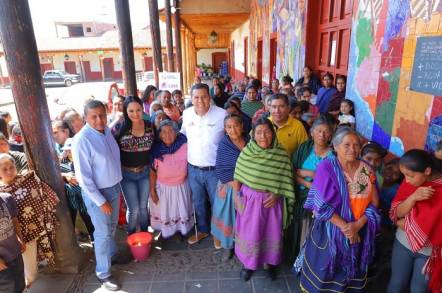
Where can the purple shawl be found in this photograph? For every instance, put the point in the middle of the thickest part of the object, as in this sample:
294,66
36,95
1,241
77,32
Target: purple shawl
329,195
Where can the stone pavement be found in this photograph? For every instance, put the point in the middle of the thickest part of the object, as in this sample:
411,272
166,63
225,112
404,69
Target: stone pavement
173,266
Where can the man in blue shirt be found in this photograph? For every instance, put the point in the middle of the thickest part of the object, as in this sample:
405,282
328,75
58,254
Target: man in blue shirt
97,164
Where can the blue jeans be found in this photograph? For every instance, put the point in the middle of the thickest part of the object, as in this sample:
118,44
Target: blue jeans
105,226
406,270
203,185
136,194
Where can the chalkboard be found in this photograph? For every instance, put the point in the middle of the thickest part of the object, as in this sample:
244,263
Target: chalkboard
426,76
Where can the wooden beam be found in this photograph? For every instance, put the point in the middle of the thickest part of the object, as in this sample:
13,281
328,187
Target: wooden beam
169,42
178,47
126,47
156,38
20,48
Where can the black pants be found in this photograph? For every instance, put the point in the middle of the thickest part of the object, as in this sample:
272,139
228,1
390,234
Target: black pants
12,279
86,219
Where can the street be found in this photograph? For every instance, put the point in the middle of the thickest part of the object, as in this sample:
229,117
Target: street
59,98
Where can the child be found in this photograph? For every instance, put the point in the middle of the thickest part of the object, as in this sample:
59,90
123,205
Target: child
12,277
392,179
306,96
36,203
373,153
347,115
416,210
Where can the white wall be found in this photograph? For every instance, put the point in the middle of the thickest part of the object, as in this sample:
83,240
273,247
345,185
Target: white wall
205,55
3,67
238,36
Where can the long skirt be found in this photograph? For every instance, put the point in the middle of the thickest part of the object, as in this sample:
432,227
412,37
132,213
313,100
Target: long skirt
315,277
223,215
258,230
173,213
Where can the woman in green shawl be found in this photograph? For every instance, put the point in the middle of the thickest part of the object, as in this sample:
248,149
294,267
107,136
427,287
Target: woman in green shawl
305,160
264,201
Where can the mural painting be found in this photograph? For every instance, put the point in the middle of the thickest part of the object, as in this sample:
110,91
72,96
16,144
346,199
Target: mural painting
381,58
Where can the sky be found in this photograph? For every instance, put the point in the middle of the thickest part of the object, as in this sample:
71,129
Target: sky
46,12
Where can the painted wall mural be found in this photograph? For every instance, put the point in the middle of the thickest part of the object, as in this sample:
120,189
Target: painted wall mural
382,50
287,19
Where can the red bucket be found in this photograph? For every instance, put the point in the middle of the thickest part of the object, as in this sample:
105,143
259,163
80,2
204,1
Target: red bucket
140,245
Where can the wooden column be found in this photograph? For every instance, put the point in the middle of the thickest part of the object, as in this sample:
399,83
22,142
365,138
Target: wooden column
156,38
169,42
126,47
20,48
178,48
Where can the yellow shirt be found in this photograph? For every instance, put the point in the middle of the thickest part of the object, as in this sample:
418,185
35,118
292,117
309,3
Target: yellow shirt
291,134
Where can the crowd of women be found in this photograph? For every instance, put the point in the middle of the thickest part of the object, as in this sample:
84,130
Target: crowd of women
321,203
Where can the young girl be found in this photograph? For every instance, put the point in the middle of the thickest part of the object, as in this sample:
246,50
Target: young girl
36,203
416,210
347,115
392,178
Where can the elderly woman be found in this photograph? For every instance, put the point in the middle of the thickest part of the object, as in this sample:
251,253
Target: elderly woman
223,214
170,204
36,203
343,200
305,161
250,104
135,137
266,195
232,108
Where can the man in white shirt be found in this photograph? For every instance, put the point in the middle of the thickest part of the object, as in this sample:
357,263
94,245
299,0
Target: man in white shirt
203,124
98,170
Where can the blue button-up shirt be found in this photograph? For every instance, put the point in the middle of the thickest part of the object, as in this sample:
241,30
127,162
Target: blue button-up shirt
97,162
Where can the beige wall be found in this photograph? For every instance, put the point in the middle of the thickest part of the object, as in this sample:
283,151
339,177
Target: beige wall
238,36
205,55
213,6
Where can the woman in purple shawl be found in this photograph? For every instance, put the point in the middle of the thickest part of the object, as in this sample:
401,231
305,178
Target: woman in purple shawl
325,93
343,199
223,214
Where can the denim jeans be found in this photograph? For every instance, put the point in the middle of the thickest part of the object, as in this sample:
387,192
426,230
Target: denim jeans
406,270
12,279
136,194
203,185
105,226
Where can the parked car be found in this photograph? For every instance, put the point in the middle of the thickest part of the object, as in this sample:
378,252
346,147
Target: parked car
60,77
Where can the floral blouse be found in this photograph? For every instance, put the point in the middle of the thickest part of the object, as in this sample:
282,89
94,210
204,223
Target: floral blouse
360,189
36,203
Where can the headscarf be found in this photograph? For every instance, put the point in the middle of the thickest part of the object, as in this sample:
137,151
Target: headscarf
267,169
226,157
160,149
423,227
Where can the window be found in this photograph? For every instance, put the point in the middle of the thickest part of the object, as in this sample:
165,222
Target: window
88,30
75,30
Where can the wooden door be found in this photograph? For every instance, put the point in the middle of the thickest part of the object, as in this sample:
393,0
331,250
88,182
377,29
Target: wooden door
246,55
70,67
259,63
328,35
217,59
148,63
45,66
108,68
273,46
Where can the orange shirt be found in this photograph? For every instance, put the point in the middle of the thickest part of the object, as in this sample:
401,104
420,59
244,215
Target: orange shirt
360,189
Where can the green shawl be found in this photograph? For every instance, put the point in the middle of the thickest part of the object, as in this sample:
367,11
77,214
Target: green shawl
268,170
299,156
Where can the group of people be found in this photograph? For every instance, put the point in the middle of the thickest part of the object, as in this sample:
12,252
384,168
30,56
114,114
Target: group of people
271,174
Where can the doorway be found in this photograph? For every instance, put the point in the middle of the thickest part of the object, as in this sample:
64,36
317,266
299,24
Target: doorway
273,47
217,59
70,67
108,68
259,64
246,55
328,35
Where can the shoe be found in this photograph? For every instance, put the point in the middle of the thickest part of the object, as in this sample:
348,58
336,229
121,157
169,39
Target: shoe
197,238
246,274
217,243
272,272
227,254
110,283
120,259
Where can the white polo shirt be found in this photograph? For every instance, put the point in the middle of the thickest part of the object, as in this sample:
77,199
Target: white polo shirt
203,135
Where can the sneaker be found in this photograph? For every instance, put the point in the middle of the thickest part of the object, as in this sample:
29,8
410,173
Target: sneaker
197,238
216,243
110,283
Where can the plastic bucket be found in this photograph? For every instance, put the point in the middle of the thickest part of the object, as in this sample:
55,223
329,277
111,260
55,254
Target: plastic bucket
140,245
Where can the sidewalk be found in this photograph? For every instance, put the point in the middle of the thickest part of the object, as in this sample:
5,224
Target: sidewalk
173,267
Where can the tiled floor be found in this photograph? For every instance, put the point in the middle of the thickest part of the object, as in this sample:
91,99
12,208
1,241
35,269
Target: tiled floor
174,267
